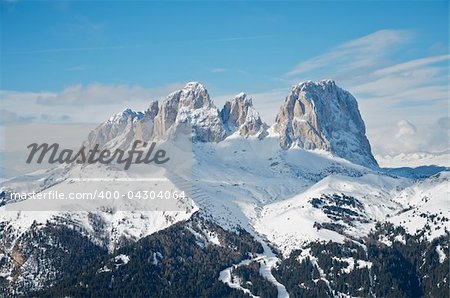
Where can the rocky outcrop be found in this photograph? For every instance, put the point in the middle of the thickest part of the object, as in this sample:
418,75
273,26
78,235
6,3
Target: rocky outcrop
313,116
326,117
123,128
147,123
239,115
190,107
118,131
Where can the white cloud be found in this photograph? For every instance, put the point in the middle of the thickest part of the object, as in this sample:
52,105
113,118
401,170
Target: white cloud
405,137
91,103
411,65
7,116
416,90
361,53
405,129
419,79
94,94
389,88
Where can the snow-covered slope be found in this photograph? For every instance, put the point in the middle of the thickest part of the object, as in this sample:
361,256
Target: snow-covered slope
239,177
426,207
33,232
336,208
130,219
240,116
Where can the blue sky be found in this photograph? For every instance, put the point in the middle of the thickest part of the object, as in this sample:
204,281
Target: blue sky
106,55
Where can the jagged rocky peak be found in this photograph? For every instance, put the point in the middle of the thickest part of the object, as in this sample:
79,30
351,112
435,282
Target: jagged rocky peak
152,110
195,96
190,106
320,115
126,116
120,126
123,128
144,128
239,115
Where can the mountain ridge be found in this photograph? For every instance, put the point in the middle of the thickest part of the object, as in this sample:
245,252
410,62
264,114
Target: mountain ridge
290,204
320,115
314,116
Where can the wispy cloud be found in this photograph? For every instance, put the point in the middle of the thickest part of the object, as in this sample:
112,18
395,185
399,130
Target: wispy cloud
94,94
79,49
405,137
362,53
101,94
219,70
9,117
239,38
415,91
391,90
416,79
99,101
411,65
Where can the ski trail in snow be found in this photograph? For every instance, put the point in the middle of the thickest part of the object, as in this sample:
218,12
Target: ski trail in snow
267,261
225,277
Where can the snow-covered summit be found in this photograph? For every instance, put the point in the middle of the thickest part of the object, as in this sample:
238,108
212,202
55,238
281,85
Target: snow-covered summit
320,115
285,199
315,115
239,115
190,106
125,115
120,130
194,95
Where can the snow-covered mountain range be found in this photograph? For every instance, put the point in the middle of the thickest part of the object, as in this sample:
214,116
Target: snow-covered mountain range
415,159
309,178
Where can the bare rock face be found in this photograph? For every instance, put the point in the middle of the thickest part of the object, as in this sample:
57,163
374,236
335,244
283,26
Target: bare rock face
324,116
147,123
190,107
239,115
123,128
313,116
